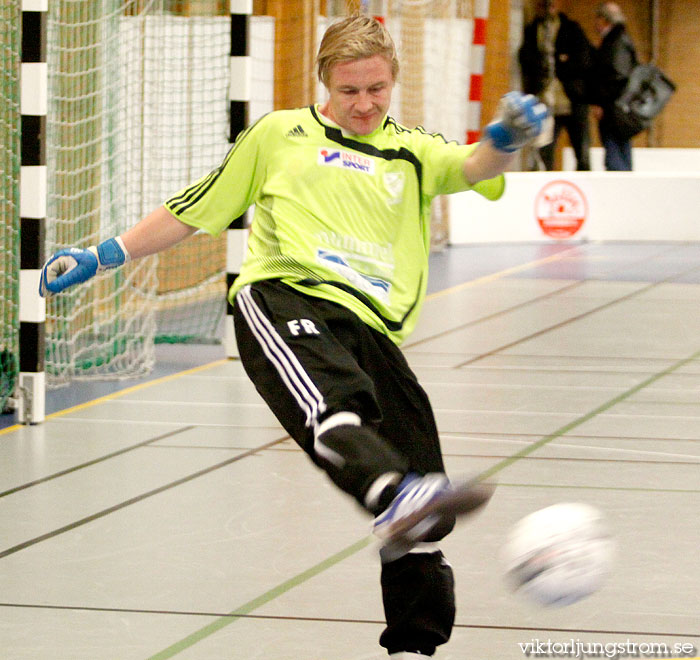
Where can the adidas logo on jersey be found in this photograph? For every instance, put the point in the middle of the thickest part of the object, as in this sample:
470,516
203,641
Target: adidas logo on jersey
297,131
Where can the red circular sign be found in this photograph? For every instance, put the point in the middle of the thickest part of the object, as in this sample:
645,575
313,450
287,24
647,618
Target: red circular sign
560,209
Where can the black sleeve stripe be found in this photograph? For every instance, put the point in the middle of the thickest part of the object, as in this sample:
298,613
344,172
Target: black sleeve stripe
191,195
419,129
176,203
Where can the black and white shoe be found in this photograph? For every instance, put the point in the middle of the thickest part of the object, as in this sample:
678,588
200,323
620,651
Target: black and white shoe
426,506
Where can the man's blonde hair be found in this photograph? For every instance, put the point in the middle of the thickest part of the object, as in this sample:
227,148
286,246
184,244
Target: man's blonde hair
355,38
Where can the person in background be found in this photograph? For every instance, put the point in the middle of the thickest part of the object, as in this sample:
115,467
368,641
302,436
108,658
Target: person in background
555,60
613,63
333,281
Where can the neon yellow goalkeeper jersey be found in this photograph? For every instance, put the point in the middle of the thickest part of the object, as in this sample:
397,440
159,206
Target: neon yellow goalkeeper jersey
345,218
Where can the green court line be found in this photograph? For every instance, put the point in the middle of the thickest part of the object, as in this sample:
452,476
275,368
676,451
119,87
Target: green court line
299,579
254,604
526,451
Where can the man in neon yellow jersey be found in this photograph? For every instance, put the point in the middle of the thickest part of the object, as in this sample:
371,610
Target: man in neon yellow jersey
333,281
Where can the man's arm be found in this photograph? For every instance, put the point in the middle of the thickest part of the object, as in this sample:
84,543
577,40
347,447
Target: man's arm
486,162
520,119
158,231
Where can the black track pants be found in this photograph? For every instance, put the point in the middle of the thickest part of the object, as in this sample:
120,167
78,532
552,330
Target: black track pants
311,359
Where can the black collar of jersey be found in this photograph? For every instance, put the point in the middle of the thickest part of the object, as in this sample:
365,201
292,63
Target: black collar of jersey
336,135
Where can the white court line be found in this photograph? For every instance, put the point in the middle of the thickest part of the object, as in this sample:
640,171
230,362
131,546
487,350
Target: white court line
594,369
568,446
558,388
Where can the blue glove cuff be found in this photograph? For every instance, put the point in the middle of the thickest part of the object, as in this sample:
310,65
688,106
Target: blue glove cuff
110,254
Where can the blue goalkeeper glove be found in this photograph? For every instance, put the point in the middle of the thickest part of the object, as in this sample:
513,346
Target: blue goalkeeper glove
76,265
520,119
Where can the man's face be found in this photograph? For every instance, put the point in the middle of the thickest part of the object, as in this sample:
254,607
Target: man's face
544,8
601,25
360,93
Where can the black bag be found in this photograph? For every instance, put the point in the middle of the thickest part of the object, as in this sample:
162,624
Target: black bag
647,92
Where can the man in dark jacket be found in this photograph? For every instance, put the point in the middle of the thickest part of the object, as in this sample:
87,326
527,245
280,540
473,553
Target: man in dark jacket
614,61
555,59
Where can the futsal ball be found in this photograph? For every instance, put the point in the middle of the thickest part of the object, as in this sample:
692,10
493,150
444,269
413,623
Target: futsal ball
560,554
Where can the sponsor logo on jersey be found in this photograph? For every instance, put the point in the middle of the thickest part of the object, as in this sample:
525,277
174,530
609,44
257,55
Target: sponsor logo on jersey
378,287
394,183
346,160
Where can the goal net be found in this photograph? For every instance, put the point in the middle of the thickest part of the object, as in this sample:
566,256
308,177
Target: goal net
138,102
138,106
9,195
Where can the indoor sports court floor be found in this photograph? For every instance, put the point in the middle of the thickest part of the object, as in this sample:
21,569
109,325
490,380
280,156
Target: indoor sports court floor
174,518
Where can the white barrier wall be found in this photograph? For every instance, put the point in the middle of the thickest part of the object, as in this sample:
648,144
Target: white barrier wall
644,159
600,206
